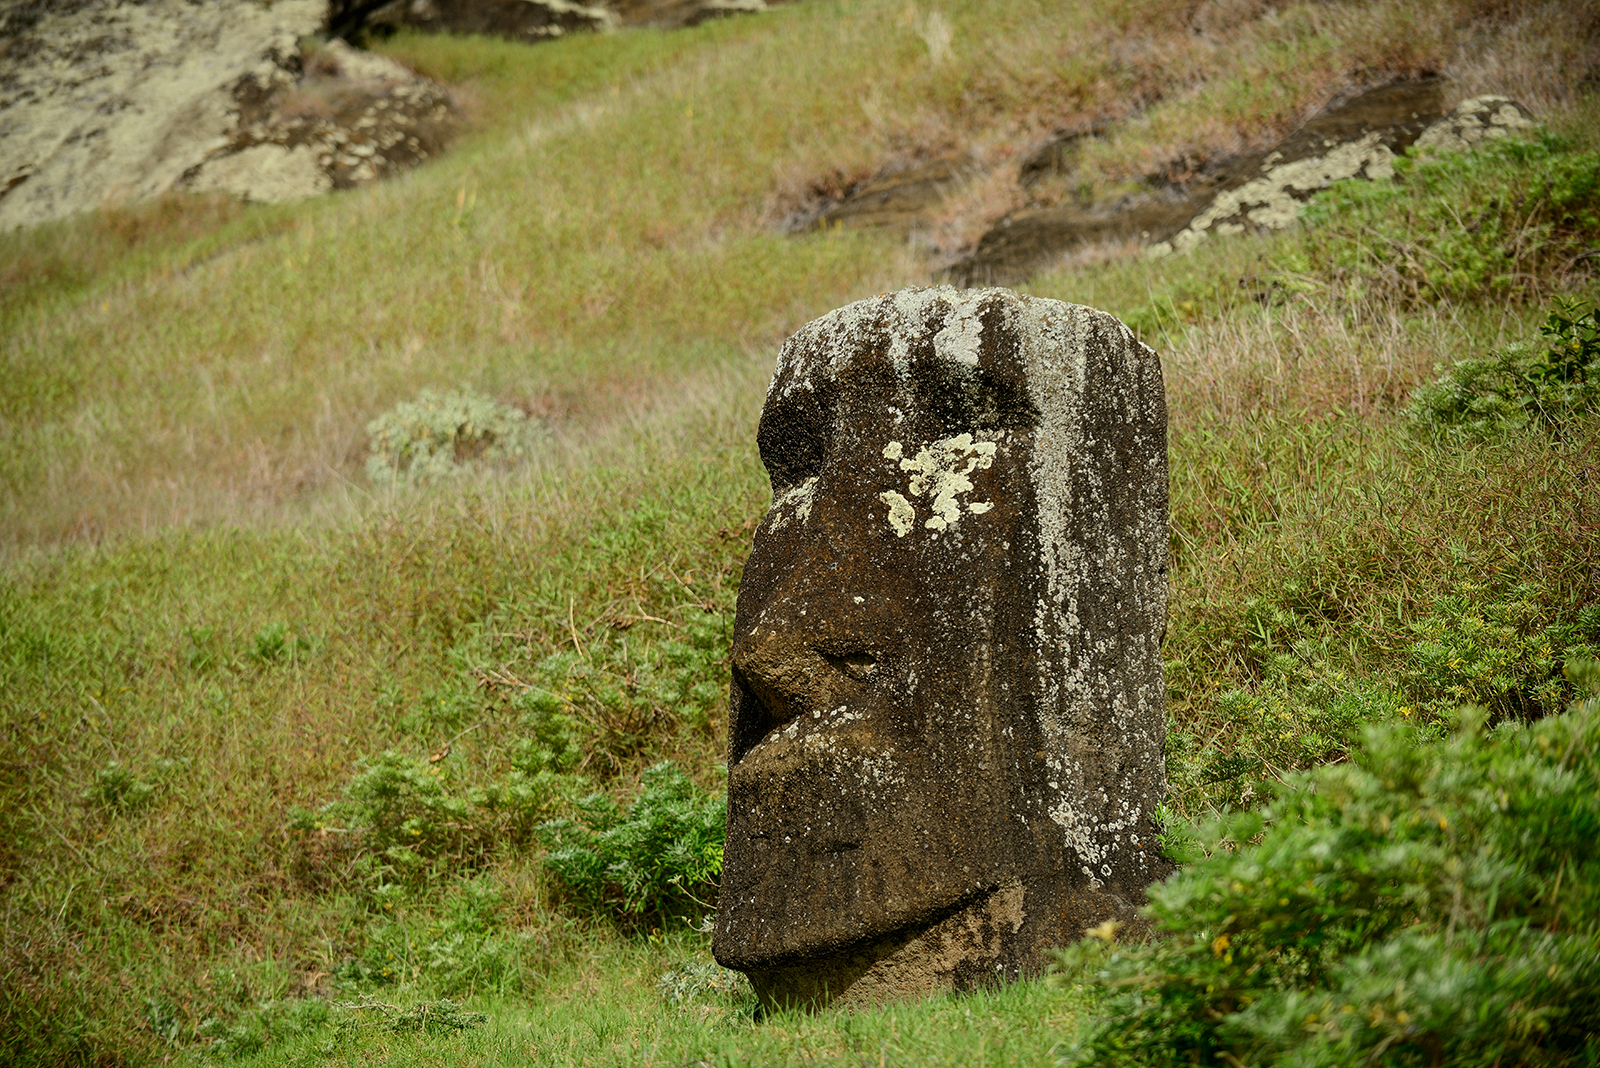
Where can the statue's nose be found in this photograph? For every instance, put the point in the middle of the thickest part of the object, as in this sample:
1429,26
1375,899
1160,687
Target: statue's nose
800,666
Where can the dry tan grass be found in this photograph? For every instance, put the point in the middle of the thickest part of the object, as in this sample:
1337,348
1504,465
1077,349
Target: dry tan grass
1220,79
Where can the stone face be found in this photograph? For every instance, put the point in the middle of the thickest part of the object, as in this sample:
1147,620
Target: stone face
947,710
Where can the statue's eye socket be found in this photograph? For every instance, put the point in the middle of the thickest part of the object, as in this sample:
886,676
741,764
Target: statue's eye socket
951,404
858,665
793,438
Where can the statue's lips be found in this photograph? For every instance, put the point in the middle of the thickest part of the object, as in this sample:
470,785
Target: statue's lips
824,729
814,792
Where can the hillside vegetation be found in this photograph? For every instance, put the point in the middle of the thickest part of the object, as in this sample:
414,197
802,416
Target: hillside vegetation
311,761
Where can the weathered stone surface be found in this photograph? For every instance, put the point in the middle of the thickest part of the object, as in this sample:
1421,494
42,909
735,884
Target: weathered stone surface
526,20
1482,118
947,711
106,100
1358,140
352,118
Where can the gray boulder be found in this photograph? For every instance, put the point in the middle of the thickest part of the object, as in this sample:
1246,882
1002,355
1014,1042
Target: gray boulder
105,101
947,712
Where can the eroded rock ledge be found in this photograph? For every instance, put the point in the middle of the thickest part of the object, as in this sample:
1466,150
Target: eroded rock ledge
1358,138
526,20
352,118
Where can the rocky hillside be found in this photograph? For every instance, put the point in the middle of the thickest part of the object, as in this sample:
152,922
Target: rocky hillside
106,102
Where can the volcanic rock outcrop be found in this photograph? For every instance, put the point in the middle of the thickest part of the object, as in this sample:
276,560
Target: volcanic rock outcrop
1301,166
351,118
109,102
1226,194
515,20
947,709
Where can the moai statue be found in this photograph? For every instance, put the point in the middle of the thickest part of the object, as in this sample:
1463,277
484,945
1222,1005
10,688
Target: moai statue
947,713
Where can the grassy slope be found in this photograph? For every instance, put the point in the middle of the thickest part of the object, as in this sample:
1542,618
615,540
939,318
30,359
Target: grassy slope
596,246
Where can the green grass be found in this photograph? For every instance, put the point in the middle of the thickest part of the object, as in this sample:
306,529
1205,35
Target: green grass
214,627
606,1009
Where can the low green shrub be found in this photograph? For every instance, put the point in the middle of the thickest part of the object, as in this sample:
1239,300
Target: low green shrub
440,433
1524,384
1424,903
611,704
416,819
412,818
1500,651
1302,711
457,941
704,981
659,860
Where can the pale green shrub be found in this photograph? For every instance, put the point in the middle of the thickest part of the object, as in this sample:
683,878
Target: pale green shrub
441,433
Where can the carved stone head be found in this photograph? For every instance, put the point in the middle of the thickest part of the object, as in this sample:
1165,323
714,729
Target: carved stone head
947,710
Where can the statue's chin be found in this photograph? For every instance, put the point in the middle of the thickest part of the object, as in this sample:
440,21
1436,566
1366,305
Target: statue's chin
972,944
827,849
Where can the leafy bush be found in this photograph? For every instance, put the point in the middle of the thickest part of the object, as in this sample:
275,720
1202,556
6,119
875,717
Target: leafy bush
1423,904
439,434
1522,385
619,702
703,980
661,859
413,818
